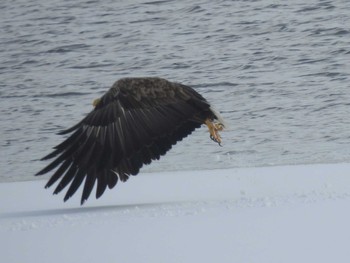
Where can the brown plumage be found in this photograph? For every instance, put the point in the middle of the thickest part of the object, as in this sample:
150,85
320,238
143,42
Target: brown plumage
136,121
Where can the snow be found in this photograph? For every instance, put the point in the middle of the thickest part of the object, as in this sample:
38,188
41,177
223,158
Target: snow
267,214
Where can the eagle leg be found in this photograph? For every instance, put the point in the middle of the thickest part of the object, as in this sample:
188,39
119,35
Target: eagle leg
214,129
96,102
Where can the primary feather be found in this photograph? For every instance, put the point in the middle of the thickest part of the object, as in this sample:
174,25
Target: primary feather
136,121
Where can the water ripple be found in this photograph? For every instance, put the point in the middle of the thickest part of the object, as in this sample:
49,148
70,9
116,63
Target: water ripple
277,71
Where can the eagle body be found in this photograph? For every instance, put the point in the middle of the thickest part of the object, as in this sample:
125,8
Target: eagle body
135,122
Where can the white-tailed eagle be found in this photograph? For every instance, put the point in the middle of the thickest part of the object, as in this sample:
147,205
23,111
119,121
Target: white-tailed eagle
136,121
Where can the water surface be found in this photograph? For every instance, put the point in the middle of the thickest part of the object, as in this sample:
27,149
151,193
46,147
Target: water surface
277,71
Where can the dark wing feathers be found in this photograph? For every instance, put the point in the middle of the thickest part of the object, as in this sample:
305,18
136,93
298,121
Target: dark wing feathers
67,178
102,179
78,179
64,166
89,185
135,122
73,128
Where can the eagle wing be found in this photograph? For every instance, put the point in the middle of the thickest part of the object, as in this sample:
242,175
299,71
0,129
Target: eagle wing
135,122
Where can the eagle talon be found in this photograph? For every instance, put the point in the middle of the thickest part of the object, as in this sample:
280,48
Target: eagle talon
215,140
214,129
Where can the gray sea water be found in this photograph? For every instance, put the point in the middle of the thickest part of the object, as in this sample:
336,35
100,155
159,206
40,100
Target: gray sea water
278,71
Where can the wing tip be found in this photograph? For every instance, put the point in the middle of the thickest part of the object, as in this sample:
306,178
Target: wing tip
82,201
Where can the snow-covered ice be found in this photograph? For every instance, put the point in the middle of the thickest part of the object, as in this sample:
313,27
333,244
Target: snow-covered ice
269,214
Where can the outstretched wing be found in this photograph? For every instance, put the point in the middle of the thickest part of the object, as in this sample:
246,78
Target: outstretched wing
135,122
